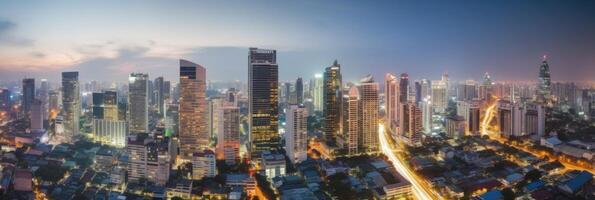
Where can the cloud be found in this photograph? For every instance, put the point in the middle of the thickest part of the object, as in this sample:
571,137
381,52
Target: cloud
37,54
6,39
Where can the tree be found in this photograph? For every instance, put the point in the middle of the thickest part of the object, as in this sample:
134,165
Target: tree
50,173
508,194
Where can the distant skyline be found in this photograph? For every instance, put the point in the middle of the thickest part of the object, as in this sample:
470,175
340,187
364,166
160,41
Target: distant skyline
107,40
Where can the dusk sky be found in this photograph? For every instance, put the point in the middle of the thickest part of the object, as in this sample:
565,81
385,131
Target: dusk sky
106,40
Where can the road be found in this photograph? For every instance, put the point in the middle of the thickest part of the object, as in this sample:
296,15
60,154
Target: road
419,191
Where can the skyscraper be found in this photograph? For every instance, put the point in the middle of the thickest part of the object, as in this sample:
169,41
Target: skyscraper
403,93
138,102
439,96
107,128
544,90
194,135
296,135
228,138
470,111
352,120
263,100
333,103
159,90
28,95
299,91
369,109
317,92
391,87
71,106
426,109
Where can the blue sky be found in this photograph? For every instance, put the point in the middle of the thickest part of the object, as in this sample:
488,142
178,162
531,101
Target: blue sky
106,40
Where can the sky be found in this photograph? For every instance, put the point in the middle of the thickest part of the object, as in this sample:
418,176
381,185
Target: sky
107,40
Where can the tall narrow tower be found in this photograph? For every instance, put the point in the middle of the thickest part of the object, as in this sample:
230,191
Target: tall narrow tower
71,106
333,103
194,135
544,90
138,102
263,103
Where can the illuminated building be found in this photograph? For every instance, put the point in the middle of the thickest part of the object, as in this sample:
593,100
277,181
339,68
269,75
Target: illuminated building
352,120
317,92
455,126
391,102
36,115
159,94
214,104
158,162
485,89
439,96
263,100
467,91
138,103
193,133
203,164
110,132
137,157
71,106
411,123
470,111
228,138
369,108
426,108
296,133
333,103
544,90
273,165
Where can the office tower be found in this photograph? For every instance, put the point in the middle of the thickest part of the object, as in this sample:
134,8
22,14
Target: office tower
193,134
417,92
368,90
231,97
299,91
467,90
506,115
214,103
426,88
263,100
228,138
137,157
107,128
166,91
415,123
36,115
403,92
391,87
5,102
426,109
158,162
203,164
439,96
455,126
159,90
71,106
28,95
138,102
42,94
352,120
172,118
286,93
317,92
333,104
54,103
470,111
296,133
544,90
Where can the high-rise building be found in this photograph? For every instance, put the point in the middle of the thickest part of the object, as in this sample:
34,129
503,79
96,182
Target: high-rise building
5,102
439,96
296,133
299,91
159,90
403,93
147,159
42,94
203,164
352,121
138,102
193,133
426,109
158,162
36,115
317,92
470,111
28,95
214,104
263,100
391,87
333,104
71,106
110,132
228,138
544,90
368,90
415,124
137,157
467,91
455,126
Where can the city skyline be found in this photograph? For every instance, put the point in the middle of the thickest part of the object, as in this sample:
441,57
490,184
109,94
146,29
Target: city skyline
421,39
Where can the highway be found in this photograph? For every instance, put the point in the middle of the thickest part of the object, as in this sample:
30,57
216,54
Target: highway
419,191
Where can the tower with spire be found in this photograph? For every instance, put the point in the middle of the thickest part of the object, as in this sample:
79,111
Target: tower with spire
544,90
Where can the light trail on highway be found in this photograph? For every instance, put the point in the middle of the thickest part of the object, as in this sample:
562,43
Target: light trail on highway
419,191
489,115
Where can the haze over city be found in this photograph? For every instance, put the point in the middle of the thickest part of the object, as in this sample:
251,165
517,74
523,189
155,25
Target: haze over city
297,100
423,38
